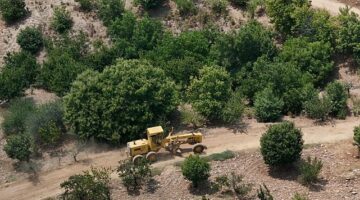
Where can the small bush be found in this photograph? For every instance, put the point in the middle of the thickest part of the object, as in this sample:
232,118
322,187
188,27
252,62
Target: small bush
133,175
190,117
18,147
46,124
186,7
234,109
61,21
337,95
267,106
13,10
110,10
310,170
263,193
221,156
318,108
15,118
30,39
195,169
93,184
86,5
219,6
298,196
281,144
234,184
149,4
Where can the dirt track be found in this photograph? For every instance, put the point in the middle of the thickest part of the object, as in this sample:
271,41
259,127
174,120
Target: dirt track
217,140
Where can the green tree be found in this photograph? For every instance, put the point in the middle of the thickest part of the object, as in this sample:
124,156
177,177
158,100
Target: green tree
149,4
348,32
318,108
267,106
195,169
337,95
61,21
313,58
15,118
18,73
18,147
13,10
30,39
86,5
233,109
209,92
281,144
134,175
110,10
93,184
118,104
234,50
281,13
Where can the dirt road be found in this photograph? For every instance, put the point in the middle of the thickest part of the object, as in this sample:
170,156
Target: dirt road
217,140
332,6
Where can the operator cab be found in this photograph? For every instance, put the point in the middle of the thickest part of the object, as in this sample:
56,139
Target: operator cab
155,137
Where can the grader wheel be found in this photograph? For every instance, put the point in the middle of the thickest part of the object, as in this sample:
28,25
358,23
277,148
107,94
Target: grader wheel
151,156
137,159
198,148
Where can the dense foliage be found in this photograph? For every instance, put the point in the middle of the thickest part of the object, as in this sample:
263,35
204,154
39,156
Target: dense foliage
267,106
337,95
209,93
119,103
195,169
30,39
86,5
18,73
109,10
134,175
13,10
318,108
93,184
281,144
18,147
149,4
61,21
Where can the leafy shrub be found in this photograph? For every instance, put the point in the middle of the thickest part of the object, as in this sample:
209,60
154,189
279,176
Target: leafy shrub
219,6
86,5
131,96
18,147
337,95
235,50
61,21
263,193
221,156
357,138
209,93
19,72
298,196
281,144
190,117
30,39
46,124
15,118
267,106
93,184
310,170
234,109
233,183
318,108
186,7
110,10
348,33
195,169
12,10
149,4
133,175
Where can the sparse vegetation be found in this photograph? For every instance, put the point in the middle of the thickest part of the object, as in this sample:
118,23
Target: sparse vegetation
13,10
133,176
110,10
310,170
195,169
357,138
281,144
221,156
234,184
149,4
30,39
18,147
299,196
86,5
61,21
263,193
219,6
318,108
186,7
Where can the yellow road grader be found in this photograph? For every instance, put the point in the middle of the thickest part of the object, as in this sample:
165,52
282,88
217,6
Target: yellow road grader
148,148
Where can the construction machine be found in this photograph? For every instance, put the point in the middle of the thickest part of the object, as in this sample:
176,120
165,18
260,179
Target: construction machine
148,148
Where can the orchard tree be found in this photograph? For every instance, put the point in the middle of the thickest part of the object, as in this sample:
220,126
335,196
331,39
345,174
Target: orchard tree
281,144
195,169
268,107
61,21
30,39
281,13
318,108
234,50
18,147
209,92
117,104
13,10
134,175
109,10
337,95
93,184
348,32
234,108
